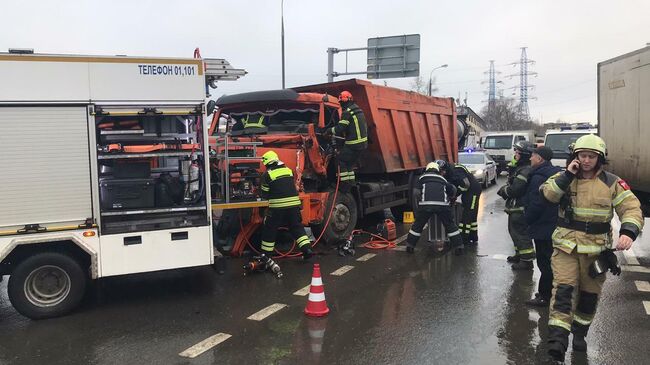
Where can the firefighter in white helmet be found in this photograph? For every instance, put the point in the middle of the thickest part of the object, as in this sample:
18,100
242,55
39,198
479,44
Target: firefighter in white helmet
588,196
435,193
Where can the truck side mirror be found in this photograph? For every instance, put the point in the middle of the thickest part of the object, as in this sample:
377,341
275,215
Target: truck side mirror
212,105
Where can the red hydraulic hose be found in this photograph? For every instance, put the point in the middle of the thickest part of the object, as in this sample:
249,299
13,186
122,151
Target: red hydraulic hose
378,243
290,253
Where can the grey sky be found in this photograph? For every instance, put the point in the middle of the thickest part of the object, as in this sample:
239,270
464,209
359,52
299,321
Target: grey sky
566,38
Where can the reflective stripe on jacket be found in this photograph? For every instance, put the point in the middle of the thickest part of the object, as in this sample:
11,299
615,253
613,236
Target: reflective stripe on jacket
592,200
516,188
250,122
353,126
278,186
464,180
434,189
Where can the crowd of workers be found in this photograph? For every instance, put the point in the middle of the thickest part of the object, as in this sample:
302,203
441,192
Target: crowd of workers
559,217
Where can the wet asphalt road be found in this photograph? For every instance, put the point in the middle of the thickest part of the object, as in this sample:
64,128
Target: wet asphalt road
394,308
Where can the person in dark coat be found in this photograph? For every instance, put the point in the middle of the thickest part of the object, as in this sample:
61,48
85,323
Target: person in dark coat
541,217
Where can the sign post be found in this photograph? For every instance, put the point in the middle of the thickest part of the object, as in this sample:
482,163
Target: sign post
388,57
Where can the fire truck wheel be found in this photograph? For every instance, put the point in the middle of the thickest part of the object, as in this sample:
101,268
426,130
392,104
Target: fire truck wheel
343,221
46,285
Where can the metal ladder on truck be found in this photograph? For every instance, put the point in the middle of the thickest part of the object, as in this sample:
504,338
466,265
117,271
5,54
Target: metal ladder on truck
224,158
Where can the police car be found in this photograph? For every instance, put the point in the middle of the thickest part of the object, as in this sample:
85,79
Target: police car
480,164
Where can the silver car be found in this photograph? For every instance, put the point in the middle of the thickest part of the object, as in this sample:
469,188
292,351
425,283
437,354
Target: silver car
481,165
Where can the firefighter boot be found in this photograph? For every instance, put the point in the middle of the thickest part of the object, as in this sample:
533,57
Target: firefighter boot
307,252
523,265
579,343
513,259
558,340
579,332
457,245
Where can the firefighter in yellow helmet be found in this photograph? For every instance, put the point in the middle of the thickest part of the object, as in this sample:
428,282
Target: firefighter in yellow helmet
588,196
279,188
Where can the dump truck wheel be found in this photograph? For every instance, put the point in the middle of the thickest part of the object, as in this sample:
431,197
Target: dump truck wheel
343,221
47,285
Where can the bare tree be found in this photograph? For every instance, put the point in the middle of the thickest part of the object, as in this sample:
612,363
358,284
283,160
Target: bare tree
421,86
504,116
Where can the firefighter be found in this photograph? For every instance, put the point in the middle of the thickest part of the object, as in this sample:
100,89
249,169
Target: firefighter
587,197
353,127
514,192
435,194
470,193
284,205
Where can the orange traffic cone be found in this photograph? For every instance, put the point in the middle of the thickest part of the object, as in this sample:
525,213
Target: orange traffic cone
316,305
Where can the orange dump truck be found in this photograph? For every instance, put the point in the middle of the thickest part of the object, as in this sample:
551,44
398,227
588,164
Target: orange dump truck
406,130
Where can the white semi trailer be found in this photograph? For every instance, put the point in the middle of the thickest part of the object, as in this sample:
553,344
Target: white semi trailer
624,119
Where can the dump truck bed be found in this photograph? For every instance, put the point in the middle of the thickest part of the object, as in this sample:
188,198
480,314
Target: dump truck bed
406,130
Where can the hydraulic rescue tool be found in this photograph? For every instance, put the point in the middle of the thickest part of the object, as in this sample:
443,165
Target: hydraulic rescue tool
262,263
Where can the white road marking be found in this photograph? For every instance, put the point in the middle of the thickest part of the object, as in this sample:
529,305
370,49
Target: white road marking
342,270
366,257
266,312
302,292
500,257
400,248
646,304
401,239
642,285
632,268
630,257
205,345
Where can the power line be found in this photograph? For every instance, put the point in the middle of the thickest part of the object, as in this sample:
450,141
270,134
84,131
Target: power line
566,87
565,101
523,86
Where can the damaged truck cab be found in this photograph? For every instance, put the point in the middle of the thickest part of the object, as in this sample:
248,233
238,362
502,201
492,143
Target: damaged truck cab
406,131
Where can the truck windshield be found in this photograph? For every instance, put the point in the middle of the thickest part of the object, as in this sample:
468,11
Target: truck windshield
471,158
280,120
560,142
498,142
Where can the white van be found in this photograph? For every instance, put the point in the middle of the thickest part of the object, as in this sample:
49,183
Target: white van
499,145
559,140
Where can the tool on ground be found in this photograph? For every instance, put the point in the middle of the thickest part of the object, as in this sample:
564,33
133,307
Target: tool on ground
272,266
316,305
262,263
346,246
254,265
387,230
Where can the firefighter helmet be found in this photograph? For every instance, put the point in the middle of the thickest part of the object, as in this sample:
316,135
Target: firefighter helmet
270,157
441,163
524,147
590,142
433,166
345,96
